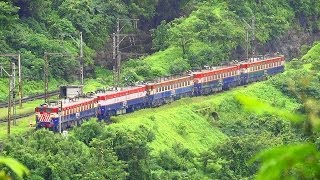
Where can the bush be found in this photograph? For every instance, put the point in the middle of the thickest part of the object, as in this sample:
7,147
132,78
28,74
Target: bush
179,66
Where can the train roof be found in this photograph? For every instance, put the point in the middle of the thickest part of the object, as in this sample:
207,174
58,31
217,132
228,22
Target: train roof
122,92
170,80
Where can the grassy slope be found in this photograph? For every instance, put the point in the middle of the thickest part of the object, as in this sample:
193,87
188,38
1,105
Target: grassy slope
22,127
27,108
160,61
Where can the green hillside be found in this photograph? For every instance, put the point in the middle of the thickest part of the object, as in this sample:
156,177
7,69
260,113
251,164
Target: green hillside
265,130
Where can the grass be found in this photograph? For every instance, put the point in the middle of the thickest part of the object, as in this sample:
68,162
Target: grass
26,108
174,123
23,126
161,61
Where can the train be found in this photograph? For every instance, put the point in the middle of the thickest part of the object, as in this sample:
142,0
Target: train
104,104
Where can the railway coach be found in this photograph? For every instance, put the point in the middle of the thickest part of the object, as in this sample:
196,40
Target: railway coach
119,102
261,69
215,80
169,90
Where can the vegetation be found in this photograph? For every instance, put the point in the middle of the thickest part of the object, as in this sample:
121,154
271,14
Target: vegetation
266,130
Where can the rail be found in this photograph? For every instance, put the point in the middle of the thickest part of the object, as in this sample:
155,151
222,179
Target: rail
31,98
16,117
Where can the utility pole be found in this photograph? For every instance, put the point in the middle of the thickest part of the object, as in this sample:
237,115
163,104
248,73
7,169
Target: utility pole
9,103
13,74
18,57
81,58
46,71
253,38
11,89
60,119
252,42
247,43
117,39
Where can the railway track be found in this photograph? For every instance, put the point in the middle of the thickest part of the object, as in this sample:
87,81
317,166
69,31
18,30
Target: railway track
31,98
18,116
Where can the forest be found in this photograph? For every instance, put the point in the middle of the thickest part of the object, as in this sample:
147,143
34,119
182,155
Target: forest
268,130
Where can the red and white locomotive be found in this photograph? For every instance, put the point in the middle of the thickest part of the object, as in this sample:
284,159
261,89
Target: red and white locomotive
110,103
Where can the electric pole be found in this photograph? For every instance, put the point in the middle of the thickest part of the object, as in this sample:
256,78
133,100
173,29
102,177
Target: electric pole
251,42
18,57
13,74
117,39
9,103
81,58
10,94
253,38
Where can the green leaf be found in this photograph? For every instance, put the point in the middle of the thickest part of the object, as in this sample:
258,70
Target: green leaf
19,169
286,161
259,107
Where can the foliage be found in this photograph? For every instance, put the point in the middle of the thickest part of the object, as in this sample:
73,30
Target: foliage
287,162
19,169
179,66
55,153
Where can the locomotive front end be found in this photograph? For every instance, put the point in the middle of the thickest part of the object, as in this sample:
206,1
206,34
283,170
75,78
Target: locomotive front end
47,117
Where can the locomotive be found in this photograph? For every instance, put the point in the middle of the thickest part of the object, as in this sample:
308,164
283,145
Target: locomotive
104,104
